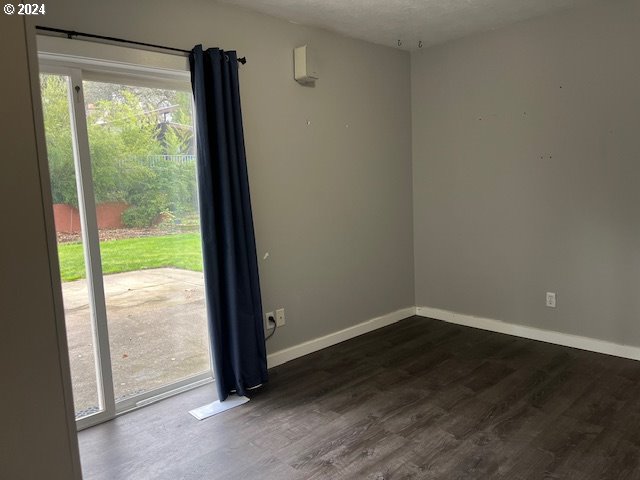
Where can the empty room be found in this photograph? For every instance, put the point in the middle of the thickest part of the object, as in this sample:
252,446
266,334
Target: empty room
277,239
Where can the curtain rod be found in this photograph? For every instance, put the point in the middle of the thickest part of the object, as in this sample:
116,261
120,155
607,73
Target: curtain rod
72,33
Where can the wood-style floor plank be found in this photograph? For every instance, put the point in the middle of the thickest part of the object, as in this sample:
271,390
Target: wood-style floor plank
420,399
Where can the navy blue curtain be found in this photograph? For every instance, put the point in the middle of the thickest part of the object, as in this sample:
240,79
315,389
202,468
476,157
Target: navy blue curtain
229,249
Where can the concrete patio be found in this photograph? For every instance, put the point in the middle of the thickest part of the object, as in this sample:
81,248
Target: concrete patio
157,332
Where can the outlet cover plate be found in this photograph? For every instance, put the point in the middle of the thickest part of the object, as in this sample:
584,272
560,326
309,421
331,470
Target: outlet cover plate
551,300
267,325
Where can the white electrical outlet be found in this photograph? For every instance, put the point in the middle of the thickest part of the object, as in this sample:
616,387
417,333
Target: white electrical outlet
280,321
551,300
267,324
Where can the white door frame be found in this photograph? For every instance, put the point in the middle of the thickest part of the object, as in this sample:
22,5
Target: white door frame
80,61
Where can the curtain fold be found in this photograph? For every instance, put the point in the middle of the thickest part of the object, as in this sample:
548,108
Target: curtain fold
232,285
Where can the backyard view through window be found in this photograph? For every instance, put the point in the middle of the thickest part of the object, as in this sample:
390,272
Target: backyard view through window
145,211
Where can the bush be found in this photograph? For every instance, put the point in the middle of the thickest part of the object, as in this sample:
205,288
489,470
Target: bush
139,216
126,147
153,188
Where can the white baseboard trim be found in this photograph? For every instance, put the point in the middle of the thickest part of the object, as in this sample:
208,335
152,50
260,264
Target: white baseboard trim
282,356
549,336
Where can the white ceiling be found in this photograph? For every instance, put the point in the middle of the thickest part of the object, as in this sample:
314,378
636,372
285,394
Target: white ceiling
387,21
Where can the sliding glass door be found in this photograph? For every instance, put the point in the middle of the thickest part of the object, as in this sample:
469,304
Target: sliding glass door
89,363
123,178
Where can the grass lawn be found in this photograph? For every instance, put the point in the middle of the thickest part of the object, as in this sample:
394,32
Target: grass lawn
129,254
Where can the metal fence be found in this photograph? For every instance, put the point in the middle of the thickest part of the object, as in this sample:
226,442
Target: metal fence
153,160
172,158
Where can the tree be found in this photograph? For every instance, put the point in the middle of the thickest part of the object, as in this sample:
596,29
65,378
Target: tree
57,121
124,135
120,132
178,136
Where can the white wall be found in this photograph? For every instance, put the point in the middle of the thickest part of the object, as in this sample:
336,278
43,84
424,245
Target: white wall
331,201
37,432
526,173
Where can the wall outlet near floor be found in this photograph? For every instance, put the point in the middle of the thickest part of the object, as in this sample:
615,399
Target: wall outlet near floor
280,320
267,324
551,300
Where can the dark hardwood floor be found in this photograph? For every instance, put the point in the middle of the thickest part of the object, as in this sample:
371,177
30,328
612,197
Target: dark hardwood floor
419,399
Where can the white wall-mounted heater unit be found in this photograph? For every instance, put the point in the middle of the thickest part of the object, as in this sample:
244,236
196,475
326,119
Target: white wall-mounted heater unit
305,65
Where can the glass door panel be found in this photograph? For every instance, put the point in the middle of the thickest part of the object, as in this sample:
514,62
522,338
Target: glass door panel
79,318
123,181
144,179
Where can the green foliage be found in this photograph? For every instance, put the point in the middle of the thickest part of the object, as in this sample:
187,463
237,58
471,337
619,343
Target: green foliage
163,186
125,134
178,136
58,133
119,132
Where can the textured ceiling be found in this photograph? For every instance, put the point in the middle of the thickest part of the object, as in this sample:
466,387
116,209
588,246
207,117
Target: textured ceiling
387,21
